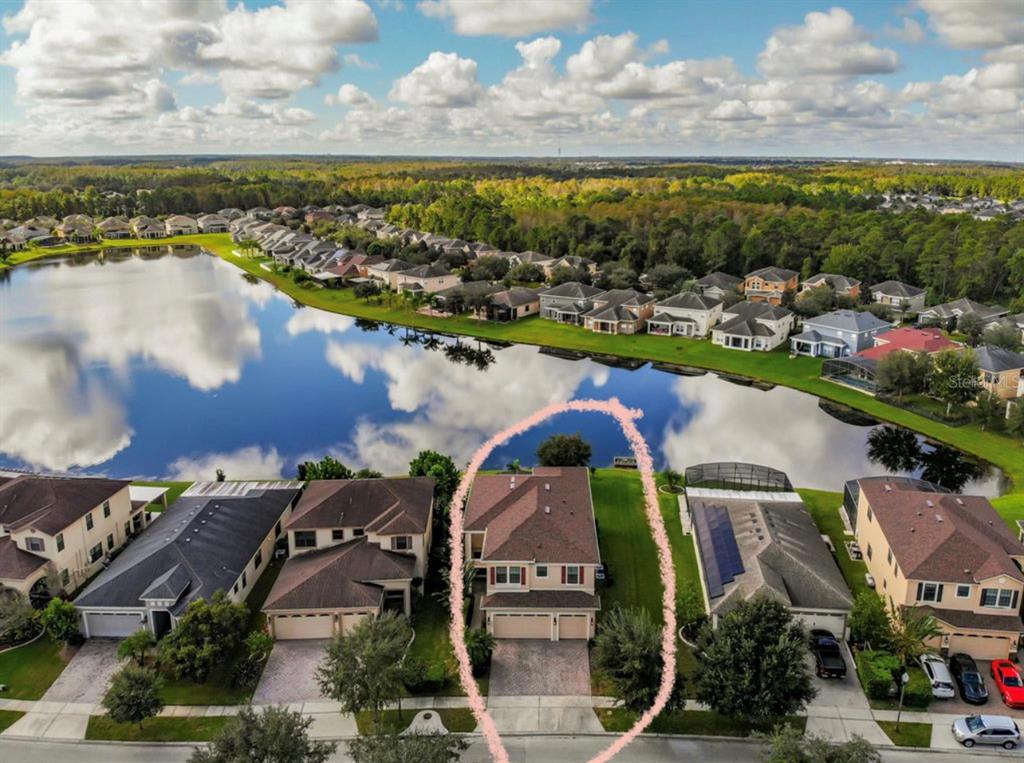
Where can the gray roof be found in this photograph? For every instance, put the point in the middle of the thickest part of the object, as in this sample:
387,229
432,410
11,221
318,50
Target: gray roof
666,318
689,300
741,326
572,290
207,538
847,320
427,271
751,310
514,297
897,289
838,282
963,306
720,279
996,359
773,273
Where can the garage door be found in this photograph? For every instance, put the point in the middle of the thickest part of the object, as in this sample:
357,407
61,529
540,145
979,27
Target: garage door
573,626
348,622
980,647
521,626
825,621
303,626
113,624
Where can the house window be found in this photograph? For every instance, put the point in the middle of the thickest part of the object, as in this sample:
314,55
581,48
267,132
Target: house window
34,544
127,528
110,542
60,541
106,508
542,571
401,543
888,557
65,577
870,515
305,539
337,535
1000,598
929,592
869,551
508,576
88,521
277,530
963,591
358,532
245,580
572,575
96,552
258,560
235,588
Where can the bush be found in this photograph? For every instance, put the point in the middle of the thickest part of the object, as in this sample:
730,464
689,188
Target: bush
875,669
423,676
918,692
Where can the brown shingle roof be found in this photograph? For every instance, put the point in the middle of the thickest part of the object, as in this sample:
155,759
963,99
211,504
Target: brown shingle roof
541,599
512,511
338,577
16,563
49,504
961,618
386,506
944,537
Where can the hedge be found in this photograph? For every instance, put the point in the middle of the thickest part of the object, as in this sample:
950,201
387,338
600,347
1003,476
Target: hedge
875,670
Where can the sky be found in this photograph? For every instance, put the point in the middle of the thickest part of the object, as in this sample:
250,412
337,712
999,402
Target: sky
940,79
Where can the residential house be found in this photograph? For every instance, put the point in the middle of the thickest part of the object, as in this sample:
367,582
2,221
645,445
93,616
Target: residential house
685,314
533,540
907,339
286,212
843,286
67,525
1001,371
463,296
180,225
948,314
751,326
12,241
572,262
425,279
951,556
386,270
769,284
513,304
530,257
899,297
212,223
315,216
619,311
218,536
839,333
357,548
113,228
764,543
231,213
75,231
1014,321
568,302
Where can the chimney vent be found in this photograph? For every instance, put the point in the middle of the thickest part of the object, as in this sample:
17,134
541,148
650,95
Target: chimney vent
547,486
888,488
547,509
938,518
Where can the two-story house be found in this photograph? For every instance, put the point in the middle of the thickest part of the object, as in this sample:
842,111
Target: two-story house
426,279
719,285
769,284
837,334
753,326
619,311
65,525
533,539
899,297
385,271
951,555
357,548
843,286
685,314
1001,371
568,302
218,536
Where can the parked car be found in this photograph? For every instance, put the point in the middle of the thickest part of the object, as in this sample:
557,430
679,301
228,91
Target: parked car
869,580
938,676
968,679
1009,682
602,576
986,729
828,655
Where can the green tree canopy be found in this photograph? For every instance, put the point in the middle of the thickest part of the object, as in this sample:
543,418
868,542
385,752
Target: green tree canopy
60,619
207,632
275,735
430,463
564,450
134,695
327,468
421,747
137,646
954,377
869,620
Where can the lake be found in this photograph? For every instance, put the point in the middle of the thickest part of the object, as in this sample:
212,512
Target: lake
175,365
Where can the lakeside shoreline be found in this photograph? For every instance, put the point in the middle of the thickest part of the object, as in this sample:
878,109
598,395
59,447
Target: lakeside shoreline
801,374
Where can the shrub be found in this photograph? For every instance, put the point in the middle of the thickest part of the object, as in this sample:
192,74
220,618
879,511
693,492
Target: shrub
875,669
425,676
918,692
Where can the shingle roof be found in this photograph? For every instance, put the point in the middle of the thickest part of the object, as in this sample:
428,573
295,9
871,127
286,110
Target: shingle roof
838,282
16,563
427,271
49,504
541,599
388,506
338,577
772,273
964,618
514,297
847,320
721,280
996,359
572,290
546,516
910,339
964,306
751,310
689,300
897,289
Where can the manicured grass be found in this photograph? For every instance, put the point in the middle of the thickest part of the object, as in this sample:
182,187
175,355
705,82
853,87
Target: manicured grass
1010,508
8,717
696,722
174,491
29,670
430,622
909,735
824,507
156,729
457,719
391,722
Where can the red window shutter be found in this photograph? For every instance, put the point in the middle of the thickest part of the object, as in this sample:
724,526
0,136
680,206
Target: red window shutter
522,575
563,575
492,576
581,575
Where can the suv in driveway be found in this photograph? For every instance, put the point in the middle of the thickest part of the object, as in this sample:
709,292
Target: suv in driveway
938,676
986,729
828,655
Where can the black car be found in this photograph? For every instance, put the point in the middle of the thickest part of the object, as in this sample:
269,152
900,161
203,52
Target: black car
968,679
828,655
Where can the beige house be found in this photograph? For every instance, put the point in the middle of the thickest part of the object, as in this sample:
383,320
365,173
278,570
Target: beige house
949,554
769,284
1000,371
425,279
357,548
180,225
619,311
67,525
533,540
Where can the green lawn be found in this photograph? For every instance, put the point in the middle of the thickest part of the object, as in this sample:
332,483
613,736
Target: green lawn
909,735
696,722
156,729
430,622
29,670
174,491
8,717
392,722
824,507
457,719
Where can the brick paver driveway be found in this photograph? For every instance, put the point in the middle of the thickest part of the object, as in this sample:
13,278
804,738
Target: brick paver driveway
531,667
87,676
290,673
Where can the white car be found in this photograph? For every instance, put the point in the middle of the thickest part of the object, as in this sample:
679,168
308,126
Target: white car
986,729
938,676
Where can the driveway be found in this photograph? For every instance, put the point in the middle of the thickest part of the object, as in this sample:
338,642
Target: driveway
538,667
840,710
289,675
87,676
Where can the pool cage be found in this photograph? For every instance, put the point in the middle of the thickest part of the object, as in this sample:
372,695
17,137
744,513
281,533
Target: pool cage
734,475
852,371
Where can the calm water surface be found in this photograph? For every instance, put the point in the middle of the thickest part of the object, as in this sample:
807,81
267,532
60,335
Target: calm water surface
177,365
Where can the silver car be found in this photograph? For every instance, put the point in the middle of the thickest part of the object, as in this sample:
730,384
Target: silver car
987,729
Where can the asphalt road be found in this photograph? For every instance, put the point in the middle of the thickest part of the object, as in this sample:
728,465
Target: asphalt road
536,749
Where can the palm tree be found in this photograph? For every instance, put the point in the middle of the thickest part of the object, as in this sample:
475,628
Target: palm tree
514,466
672,479
909,630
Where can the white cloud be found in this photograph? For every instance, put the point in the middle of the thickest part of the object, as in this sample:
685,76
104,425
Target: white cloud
444,80
250,463
272,112
976,23
509,19
602,57
310,319
911,31
827,45
351,96
731,111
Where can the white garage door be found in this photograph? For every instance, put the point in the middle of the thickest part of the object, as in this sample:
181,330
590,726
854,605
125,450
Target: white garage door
303,626
825,621
573,626
980,647
521,626
350,621
113,624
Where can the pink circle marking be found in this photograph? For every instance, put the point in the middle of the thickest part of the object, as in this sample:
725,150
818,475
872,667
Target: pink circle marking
645,464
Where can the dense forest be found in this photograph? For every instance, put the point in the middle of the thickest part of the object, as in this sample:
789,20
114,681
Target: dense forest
633,216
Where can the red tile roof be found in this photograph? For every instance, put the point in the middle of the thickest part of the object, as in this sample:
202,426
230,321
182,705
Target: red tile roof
926,340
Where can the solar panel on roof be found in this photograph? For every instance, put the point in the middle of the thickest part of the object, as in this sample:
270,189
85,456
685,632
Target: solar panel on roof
720,553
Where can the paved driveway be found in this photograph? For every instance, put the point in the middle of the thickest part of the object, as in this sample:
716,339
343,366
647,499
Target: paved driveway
87,676
290,673
538,667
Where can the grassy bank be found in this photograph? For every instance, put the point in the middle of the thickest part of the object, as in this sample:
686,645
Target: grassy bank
909,734
8,717
696,722
155,729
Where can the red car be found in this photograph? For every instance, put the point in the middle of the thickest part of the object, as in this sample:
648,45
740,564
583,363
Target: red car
1008,682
